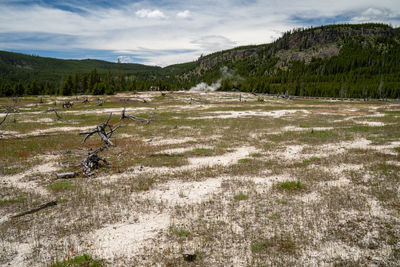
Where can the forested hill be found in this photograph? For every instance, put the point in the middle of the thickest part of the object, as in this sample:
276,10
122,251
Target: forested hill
349,60
25,69
336,60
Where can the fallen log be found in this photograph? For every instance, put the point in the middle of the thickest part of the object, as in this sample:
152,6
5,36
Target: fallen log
42,206
134,118
100,103
66,175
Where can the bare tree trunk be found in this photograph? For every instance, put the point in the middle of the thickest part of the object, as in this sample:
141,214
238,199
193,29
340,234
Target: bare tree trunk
66,175
42,206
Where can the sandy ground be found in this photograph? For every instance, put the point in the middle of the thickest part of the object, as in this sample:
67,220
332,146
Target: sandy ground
49,166
207,204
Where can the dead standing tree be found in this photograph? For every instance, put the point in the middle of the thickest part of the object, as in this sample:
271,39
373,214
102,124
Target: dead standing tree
93,159
55,111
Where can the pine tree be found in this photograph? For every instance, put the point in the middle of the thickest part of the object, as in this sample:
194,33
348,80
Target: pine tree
67,87
19,89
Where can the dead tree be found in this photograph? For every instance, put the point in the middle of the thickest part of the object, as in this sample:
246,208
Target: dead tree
194,100
4,119
10,109
101,130
45,205
85,101
100,103
92,161
66,175
124,116
55,111
67,104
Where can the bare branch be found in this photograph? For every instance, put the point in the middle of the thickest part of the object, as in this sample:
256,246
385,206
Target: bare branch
89,134
4,118
104,138
101,131
55,111
109,134
109,117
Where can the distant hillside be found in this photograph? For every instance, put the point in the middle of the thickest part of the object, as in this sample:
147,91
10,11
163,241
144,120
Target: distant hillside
360,60
335,60
20,67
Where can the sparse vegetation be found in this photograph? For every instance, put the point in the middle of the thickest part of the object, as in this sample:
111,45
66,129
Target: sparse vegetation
4,202
181,232
202,152
292,185
312,159
84,260
246,160
61,186
255,188
277,244
241,196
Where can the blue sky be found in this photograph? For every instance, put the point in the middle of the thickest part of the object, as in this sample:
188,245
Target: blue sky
168,32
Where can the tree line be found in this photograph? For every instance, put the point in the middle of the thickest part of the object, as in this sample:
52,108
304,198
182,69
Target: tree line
366,66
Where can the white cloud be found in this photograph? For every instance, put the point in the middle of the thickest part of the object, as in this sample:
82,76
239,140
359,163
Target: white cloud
373,14
151,14
144,28
213,43
183,14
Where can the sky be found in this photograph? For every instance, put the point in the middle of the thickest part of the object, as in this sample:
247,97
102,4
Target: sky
167,32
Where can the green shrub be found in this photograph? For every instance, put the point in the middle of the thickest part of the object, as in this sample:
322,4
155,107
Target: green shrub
241,196
292,185
61,186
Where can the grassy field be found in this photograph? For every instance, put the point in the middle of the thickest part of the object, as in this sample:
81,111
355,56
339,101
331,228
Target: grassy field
211,181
